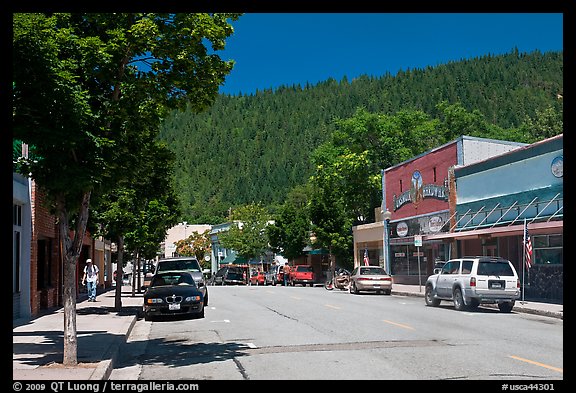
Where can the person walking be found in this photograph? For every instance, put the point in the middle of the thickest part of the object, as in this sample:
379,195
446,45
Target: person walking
90,279
286,274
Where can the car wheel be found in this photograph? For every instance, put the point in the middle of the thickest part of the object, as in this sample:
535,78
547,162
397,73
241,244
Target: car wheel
206,300
388,292
354,289
147,317
429,297
459,300
506,307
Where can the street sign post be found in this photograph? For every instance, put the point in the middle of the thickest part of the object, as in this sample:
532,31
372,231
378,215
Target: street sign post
418,244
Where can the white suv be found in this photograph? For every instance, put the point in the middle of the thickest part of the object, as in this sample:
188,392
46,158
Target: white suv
471,281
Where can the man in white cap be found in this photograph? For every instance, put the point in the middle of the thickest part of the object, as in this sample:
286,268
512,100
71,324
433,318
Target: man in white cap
90,279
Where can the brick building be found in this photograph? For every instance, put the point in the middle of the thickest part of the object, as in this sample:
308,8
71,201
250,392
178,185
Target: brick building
420,194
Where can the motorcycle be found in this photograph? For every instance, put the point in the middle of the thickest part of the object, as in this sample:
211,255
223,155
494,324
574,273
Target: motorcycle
342,281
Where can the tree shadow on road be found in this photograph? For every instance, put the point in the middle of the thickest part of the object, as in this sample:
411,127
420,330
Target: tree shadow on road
179,352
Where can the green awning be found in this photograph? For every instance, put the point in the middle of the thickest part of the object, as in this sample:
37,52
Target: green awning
233,258
314,251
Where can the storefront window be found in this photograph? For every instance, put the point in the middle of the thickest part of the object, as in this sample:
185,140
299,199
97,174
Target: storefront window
548,249
404,260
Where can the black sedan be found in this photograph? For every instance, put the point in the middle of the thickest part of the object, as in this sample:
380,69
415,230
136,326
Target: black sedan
173,293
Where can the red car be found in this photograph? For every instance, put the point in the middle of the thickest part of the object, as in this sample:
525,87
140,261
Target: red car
257,278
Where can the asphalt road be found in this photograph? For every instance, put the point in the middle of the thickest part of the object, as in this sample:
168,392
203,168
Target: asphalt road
303,333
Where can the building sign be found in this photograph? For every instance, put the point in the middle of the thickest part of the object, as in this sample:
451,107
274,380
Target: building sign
402,229
435,224
557,166
418,191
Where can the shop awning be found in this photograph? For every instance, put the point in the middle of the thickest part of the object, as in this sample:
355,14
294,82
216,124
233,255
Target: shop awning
314,251
512,230
233,259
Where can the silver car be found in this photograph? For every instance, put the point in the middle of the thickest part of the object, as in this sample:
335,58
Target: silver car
186,264
370,279
471,281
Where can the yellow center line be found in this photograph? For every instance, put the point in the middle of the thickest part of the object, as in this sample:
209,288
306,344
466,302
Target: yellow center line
560,370
331,306
399,324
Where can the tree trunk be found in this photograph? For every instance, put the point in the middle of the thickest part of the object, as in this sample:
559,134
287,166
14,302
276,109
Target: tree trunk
139,272
133,293
72,248
119,275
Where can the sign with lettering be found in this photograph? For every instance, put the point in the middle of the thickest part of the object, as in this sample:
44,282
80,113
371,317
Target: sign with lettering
418,191
418,240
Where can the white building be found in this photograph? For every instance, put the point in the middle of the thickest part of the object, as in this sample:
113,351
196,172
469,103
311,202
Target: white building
180,232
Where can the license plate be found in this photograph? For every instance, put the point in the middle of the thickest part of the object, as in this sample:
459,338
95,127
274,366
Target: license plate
174,306
377,286
496,285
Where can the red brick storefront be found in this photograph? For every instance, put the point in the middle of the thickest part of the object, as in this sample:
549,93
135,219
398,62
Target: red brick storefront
46,274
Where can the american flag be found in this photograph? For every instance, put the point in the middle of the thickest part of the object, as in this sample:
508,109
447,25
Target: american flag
527,246
366,259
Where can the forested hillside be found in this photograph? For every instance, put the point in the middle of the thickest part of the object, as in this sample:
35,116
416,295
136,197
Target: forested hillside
255,148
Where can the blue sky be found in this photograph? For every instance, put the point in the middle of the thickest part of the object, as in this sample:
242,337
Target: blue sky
274,49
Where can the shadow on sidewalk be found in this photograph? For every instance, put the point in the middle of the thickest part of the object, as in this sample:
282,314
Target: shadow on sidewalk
51,348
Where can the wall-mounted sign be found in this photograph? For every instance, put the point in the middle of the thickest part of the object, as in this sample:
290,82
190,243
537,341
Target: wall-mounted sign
402,229
557,166
418,191
435,223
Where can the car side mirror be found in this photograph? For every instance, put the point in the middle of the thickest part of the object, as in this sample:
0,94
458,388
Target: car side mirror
437,270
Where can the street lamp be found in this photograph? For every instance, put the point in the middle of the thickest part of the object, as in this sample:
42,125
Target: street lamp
386,216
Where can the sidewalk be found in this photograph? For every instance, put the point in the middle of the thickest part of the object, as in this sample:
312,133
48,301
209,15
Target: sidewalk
540,308
38,343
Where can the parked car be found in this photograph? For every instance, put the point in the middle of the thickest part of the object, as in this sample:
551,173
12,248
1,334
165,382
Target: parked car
280,271
270,277
471,281
257,278
185,264
229,275
370,279
438,266
173,293
302,274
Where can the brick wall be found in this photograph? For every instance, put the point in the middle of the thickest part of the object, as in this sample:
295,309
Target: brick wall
398,180
43,228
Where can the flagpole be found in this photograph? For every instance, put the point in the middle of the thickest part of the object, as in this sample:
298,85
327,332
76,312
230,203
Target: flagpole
523,260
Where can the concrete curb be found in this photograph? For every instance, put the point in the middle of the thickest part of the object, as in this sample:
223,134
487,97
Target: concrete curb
517,308
105,367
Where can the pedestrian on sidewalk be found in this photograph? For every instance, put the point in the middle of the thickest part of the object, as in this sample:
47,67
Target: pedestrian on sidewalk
90,279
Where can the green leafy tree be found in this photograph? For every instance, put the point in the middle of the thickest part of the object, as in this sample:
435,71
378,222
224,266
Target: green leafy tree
197,244
247,235
290,232
81,94
545,124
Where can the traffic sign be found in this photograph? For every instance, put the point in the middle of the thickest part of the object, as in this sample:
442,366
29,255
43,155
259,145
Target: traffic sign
418,240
